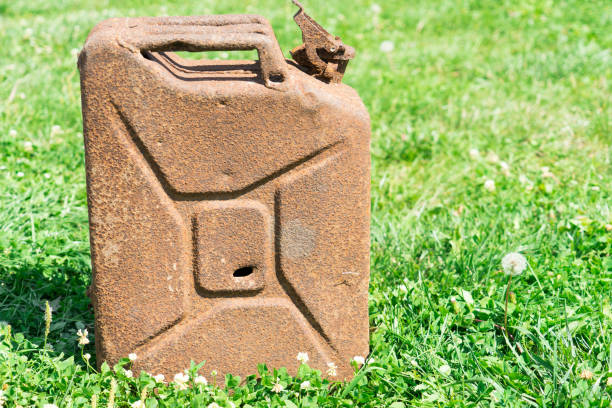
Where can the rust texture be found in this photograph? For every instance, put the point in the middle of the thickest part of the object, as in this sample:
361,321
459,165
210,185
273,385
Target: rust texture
228,200
322,55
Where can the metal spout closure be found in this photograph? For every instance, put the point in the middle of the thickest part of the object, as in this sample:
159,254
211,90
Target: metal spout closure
323,55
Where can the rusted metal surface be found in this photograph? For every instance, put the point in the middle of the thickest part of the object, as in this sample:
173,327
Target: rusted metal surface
323,55
228,200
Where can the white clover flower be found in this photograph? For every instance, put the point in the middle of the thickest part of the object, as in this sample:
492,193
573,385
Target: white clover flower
82,337
546,173
359,360
493,157
214,405
231,404
489,185
128,373
28,146
47,175
331,369
302,357
87,356
608,227
586,374
387,46
304,385
12,133
49,406
453,299
200,379
445,369
474,153
505,167
20,174
181,380
523,179
138,404
132,356
609,382
375,8
278,387
514,263
55,129
159,378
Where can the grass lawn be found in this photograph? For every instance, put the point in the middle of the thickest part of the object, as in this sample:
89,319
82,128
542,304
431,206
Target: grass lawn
515,92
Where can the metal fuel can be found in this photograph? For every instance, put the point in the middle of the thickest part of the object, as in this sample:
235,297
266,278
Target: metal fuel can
228,200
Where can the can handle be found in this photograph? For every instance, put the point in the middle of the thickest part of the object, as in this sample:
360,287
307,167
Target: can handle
232,33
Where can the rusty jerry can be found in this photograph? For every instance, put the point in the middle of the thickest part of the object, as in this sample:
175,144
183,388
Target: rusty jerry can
228,200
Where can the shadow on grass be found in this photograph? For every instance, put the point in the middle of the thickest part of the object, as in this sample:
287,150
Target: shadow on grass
24,290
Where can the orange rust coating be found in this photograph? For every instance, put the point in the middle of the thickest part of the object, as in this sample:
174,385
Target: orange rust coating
228,201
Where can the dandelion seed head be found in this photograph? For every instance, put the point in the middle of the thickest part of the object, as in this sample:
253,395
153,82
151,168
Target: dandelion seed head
514,263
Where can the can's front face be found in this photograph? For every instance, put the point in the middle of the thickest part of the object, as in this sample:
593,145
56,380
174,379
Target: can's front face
229,203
